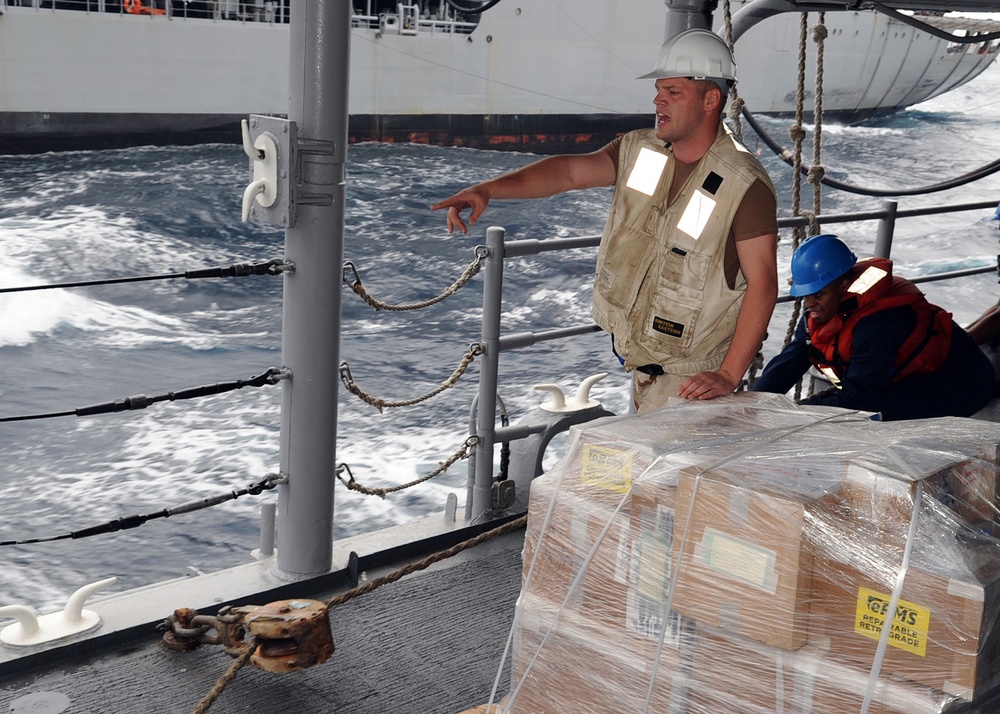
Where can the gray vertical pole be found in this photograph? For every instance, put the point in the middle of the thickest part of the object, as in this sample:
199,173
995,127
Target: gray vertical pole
319,63
686,15
886,228
482,490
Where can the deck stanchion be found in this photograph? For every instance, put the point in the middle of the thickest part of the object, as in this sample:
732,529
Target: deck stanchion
482,488
886,227
314,242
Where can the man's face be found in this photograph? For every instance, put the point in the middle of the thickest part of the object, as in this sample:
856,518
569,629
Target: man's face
680,108
822,305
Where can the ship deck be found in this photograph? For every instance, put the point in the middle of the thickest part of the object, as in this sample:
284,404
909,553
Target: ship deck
429,644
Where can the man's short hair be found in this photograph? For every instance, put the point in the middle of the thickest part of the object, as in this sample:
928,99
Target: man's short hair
706,84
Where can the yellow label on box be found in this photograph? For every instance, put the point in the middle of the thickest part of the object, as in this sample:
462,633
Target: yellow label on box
603,467
909,630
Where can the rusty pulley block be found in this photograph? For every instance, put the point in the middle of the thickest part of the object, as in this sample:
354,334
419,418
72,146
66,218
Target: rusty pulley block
290,634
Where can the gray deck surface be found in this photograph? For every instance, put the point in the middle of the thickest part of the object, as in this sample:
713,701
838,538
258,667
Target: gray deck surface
430,643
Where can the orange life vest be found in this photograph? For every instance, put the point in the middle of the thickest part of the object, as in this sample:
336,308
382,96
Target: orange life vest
875,289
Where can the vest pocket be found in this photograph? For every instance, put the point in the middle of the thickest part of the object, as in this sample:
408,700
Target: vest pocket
685,268
672,307
623,262
670,321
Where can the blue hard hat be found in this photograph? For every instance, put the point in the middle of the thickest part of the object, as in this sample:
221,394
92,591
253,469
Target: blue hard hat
817,262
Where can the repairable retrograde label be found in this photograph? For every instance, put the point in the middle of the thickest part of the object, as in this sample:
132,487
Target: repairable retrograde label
606,468
909,628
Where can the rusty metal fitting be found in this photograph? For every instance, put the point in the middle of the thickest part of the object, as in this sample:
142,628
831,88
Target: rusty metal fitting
293,635
178,633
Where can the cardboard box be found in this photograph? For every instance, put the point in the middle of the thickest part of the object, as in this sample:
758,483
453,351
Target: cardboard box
651,535
945,633
971,489
736,675
759,492
564,663
575,550
957,460
620,582
968,487
743,564
605,457
603,460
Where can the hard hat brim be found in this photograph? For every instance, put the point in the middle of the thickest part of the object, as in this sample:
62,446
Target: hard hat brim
808,288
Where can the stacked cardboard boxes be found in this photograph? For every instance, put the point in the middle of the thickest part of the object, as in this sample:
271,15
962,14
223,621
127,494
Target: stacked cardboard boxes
742,555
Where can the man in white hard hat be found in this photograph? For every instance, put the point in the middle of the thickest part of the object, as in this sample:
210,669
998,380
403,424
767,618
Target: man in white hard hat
686,275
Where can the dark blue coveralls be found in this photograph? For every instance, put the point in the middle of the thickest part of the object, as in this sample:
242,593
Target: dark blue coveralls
961,387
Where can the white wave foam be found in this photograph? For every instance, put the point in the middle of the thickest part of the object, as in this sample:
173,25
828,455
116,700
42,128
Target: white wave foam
26,316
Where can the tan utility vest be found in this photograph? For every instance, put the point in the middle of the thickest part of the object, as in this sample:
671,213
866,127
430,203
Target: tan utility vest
660,286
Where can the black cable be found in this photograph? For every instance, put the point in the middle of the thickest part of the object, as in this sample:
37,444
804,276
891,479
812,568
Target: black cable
786,156
482,7
238,270
141,401
120,524
505,446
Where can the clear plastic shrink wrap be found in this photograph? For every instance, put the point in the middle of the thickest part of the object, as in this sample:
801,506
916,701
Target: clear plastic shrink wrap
740,555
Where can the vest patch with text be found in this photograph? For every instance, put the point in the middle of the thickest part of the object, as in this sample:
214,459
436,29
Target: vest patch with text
668,327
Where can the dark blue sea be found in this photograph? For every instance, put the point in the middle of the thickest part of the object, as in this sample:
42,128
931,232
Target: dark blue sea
151,211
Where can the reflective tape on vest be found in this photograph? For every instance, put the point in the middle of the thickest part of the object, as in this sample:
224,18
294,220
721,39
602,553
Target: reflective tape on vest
832,376
646,172
697,214
866,280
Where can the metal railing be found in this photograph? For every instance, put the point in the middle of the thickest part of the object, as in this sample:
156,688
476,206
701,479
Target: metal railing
267,12
493,343
262,11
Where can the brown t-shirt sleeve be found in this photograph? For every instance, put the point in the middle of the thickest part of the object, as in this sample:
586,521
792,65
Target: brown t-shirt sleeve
757,215
611,149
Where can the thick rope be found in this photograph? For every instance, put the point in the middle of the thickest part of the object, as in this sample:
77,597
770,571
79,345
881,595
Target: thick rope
735,112
462,453
798,135
226,678
428,561
359,289
380,404
816,171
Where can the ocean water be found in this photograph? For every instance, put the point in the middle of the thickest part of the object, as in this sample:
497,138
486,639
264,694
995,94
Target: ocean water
152,211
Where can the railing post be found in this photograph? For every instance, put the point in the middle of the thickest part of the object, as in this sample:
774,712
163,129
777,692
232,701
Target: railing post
319,57
482,488
886,227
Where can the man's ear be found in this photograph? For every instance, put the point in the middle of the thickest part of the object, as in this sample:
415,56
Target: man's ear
713,97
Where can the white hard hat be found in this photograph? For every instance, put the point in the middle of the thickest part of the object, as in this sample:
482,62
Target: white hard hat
699,54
